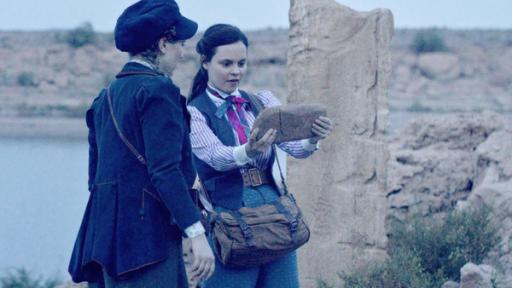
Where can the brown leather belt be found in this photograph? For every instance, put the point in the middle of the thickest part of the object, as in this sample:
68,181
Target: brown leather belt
254,177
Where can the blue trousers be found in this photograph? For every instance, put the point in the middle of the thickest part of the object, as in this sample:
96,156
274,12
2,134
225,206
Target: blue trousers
281,273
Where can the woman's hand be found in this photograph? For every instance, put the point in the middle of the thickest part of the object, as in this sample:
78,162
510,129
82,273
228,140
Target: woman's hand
203,264
255,147
321,128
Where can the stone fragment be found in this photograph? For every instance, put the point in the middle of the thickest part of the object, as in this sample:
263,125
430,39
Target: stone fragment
292,122
439,65
450,284
476,276
70,284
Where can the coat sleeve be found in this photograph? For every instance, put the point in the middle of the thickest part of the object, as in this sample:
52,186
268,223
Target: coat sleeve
93,148
163,129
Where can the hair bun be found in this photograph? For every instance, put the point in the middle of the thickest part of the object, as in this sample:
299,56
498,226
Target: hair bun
200,46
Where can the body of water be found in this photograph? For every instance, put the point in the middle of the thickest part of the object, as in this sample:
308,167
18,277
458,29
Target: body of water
43,184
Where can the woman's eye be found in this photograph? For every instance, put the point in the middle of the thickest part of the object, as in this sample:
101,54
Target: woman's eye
241,64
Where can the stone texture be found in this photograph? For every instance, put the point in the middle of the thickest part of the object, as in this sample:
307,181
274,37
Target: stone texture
340,58
439,163
439,65
434,163
450,284
495,192
473,276
70,284
292,122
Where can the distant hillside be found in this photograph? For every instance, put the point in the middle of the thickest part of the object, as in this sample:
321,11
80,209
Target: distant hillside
41,74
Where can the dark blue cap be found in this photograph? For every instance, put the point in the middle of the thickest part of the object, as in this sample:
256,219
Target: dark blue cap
146,21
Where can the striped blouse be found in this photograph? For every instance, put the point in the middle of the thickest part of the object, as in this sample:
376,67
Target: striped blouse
207,147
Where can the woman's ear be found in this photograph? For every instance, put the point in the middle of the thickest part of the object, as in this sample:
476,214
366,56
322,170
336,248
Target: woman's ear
162,44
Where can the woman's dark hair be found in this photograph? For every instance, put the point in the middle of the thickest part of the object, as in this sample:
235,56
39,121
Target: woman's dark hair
151,54
215,36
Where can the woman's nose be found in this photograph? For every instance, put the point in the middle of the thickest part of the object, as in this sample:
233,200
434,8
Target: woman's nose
235,70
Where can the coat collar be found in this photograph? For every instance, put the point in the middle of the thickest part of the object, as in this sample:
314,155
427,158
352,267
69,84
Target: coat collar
134,68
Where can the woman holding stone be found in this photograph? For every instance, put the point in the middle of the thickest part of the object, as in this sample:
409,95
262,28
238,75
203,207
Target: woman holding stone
225,149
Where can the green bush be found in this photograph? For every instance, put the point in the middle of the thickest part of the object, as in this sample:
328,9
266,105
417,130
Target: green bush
426,252
81,35
21,278
402,270
429,40
26,79
417,106
445,245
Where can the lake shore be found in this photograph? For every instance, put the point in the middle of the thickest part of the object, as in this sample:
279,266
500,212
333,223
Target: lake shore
53,128
42,128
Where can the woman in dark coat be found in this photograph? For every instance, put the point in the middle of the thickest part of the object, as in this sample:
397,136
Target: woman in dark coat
140,163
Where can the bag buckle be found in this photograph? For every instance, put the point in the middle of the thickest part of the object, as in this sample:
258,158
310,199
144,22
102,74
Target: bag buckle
254,176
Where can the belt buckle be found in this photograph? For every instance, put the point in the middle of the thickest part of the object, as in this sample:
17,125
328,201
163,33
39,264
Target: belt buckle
255,177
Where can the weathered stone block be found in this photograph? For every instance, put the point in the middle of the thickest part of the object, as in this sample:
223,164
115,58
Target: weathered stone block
340,58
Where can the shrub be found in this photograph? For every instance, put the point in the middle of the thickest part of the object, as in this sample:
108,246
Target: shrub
403,269
417,106
426,252
444,246
81,35
21,278
428,41
26,79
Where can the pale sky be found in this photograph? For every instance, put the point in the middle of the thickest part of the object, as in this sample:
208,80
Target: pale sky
252,14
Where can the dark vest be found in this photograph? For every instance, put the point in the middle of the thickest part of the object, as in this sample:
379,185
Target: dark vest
224,187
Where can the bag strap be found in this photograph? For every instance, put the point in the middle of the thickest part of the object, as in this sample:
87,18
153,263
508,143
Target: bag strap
139,156
258,105
294,222
203,197
244,227
120,133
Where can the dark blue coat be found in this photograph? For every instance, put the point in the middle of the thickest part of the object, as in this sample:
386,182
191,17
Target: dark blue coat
134,211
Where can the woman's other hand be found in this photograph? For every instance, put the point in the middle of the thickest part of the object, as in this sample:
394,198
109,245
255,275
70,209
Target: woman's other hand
321,128
254,147
203,264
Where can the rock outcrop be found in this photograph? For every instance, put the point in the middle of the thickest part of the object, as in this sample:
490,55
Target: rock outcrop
340,58
476,276
440,163
435,162
440,65
450,284
70,284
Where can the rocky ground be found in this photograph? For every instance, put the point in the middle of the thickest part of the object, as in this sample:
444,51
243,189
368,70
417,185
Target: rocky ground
472,75
455,162
41,75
